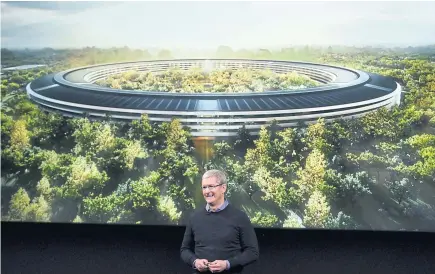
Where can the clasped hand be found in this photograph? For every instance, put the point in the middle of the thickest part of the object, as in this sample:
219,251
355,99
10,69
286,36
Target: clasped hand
216,266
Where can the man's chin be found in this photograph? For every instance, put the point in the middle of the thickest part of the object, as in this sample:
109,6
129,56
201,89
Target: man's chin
210,201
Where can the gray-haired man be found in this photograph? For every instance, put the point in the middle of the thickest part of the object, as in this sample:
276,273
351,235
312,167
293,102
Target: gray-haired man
219,237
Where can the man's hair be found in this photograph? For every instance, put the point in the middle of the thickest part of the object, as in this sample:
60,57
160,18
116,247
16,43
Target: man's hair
220,175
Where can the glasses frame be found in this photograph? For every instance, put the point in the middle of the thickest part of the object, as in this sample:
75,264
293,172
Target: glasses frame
210,187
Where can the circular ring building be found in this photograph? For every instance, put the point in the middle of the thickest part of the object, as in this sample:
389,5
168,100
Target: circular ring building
344,93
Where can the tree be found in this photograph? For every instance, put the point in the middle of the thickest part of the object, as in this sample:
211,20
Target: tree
226,80
44,189
13,87
292,221
18,143
176,138
131,201
381,123
54,167
103,209
340,134
220,151
274,188
94,139
418,157
352,186
145,194
165,54
293,80
168,208
265,220
259,156
141,130
40,210
283,154
426,166
25,108
400,190
82,179
46,128
177,167
19,206
264,54
316,211
283,145
317,137
77,219
125,154
244,140
341,221
224,52
367,159
420,141
7,123
312,176
182,199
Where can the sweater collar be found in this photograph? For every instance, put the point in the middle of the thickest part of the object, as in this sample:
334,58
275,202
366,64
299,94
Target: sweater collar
222,207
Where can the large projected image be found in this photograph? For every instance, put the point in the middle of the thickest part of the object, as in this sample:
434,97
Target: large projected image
316,135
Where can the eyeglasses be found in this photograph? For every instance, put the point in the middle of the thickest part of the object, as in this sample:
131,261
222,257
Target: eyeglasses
211,187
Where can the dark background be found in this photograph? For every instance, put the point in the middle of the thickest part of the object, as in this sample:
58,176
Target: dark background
88,248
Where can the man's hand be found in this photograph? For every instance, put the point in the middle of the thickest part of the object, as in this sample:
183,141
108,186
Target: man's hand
217,266
201,264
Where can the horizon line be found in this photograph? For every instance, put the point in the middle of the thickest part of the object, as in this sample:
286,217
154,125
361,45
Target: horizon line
376,45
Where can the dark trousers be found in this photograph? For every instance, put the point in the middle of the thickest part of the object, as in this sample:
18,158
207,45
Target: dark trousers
223,272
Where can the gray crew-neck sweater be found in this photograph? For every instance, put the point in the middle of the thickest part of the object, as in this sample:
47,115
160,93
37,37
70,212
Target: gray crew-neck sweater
223,235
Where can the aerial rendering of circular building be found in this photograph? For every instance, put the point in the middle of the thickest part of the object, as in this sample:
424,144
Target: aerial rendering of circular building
343,93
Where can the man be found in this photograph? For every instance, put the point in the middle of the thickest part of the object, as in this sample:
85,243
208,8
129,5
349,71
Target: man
219,237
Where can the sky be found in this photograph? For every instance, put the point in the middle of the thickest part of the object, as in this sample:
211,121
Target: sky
210,24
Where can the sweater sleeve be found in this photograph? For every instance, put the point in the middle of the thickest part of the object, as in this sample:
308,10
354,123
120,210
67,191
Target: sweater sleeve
249,244
187,246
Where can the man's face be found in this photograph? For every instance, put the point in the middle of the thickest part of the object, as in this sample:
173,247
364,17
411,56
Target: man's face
213,193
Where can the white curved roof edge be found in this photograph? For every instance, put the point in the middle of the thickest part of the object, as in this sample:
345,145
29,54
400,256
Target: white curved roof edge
210,122
395,94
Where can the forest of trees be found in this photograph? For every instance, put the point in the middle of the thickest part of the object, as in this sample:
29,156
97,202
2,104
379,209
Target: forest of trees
374,172
195,80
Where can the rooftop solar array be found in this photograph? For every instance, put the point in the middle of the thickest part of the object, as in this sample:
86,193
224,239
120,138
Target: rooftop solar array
253,103
375,87
42,82
382,81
